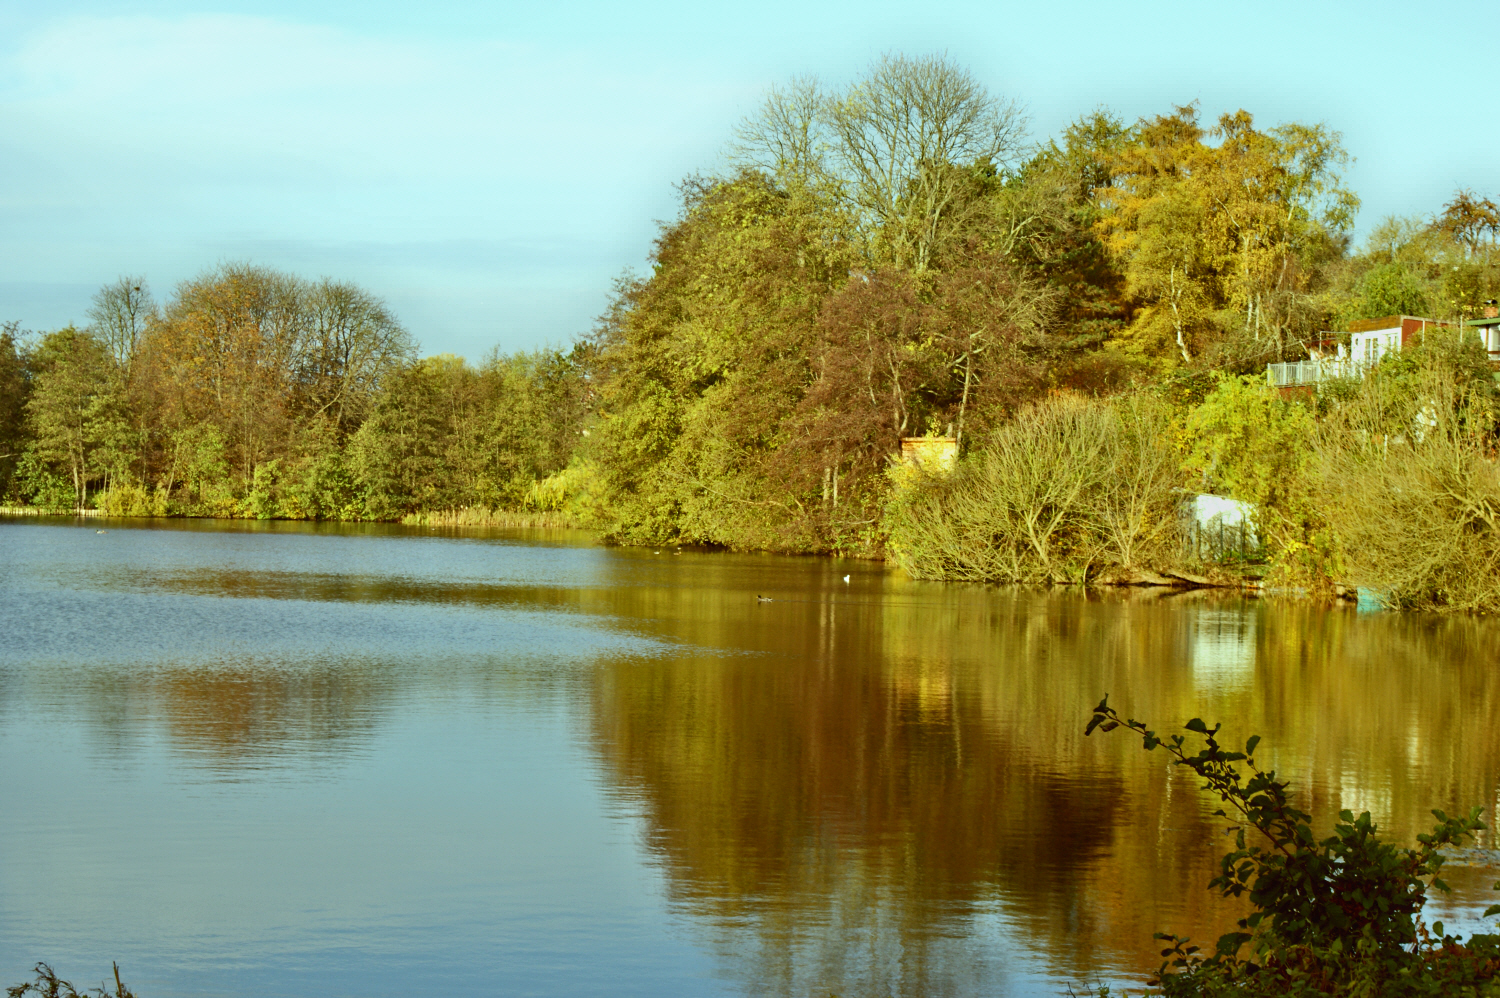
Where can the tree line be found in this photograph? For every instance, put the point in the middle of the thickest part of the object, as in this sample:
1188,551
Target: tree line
892,259
255,393
889,258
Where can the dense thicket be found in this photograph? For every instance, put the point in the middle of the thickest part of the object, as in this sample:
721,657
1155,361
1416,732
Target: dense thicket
1089,317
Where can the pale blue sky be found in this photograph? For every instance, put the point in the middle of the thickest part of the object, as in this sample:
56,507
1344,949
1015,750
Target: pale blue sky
489,170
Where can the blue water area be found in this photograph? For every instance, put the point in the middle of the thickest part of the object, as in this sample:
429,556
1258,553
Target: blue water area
262,763
290,759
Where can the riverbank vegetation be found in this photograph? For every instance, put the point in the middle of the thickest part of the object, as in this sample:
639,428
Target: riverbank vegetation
1341,915
253,393
1087,316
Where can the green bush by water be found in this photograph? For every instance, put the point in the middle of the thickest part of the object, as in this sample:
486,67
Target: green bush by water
1068,487
1341,915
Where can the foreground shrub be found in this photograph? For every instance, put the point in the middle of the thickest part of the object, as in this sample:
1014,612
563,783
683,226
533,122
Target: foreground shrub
48,985
1069,485
1340,915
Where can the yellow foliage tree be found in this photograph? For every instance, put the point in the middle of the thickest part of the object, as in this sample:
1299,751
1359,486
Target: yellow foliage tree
1220,231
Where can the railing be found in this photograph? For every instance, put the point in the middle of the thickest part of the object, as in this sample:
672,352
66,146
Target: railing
1310,372
38,511
1222,540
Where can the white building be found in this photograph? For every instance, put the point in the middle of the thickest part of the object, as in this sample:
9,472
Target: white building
1369,340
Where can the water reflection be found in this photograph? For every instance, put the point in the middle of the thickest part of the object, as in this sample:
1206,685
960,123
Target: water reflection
893,774
878,787
923,760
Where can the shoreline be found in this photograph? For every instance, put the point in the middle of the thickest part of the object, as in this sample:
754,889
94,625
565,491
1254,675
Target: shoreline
1174,581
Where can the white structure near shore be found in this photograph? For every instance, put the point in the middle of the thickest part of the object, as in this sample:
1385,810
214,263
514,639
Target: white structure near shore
1369,340
1218,528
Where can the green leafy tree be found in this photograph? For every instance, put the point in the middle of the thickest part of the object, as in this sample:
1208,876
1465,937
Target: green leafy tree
400,455
534,407
1050,216
1248,442
14,388
701,367
1390,289
75,412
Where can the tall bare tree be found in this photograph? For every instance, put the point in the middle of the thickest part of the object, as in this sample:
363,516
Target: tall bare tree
905,135
350,343
787,137
120,313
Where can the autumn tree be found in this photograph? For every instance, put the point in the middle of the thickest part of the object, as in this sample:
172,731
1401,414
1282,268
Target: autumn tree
989,321
226,346
1221,232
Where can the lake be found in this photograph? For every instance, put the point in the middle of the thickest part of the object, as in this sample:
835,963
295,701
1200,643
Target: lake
297,759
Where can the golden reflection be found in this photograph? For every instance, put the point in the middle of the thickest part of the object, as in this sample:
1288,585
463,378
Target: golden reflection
890,772
884,787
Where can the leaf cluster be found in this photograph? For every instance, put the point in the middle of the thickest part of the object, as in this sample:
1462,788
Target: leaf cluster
47,984
1339,914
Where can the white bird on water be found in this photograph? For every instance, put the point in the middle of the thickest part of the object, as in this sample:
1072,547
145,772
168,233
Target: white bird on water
846,578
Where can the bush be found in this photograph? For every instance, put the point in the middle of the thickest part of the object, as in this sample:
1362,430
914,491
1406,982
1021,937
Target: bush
1408,483
1248,442
42,487
1069,485
1341,915
132,499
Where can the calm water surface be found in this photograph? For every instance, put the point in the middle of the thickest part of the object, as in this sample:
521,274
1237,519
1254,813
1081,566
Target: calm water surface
279,759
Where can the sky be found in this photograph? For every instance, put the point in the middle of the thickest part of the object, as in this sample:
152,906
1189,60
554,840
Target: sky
491,169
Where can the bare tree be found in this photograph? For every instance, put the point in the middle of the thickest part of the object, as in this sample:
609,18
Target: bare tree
787,136
351,341
120,314
904,137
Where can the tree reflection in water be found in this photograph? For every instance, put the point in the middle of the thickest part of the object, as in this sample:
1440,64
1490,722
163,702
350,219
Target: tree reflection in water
873,788
858,804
